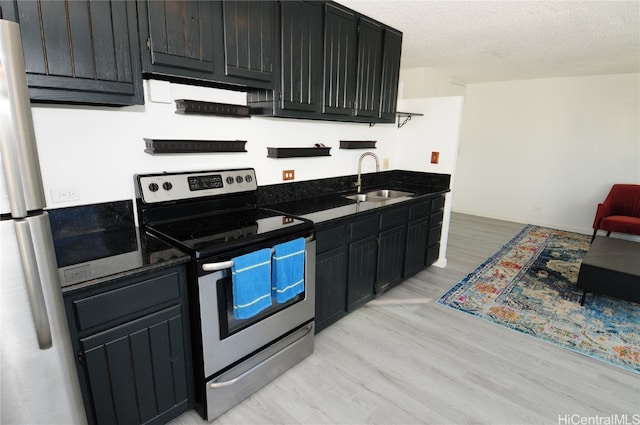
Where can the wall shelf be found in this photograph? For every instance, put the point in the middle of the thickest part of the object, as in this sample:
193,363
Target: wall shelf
199,107
297,152
164,146
407,117
358,144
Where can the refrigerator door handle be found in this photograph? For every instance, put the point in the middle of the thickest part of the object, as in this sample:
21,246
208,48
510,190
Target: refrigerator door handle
33,283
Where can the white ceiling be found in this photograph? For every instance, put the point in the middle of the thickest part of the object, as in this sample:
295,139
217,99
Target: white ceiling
479,41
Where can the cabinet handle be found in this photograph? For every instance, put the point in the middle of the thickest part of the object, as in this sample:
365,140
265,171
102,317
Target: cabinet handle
149,43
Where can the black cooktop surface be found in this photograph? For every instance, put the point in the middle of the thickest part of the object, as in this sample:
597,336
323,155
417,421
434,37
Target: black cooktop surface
217,233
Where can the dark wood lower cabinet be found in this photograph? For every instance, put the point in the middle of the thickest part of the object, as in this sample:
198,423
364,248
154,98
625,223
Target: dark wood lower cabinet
331,286
362,271
364,255
133,348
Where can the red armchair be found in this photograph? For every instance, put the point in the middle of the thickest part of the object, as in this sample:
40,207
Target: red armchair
620,211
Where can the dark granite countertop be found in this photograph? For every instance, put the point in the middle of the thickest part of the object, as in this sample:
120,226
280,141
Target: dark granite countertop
99,243
323,201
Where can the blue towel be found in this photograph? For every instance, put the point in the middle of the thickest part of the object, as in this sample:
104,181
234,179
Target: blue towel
251,283
287,274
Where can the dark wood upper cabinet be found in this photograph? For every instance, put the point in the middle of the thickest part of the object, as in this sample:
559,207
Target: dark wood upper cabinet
369,68
301,56
208,42
180,34
392,49
340,60
82,51
249,35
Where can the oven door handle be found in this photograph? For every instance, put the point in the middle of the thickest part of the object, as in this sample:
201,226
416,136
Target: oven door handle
214,267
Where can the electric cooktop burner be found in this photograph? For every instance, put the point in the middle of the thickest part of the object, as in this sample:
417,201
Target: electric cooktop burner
211,212
240,227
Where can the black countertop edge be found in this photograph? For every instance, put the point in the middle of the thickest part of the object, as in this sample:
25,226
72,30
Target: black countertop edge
327,209
145,253
310,189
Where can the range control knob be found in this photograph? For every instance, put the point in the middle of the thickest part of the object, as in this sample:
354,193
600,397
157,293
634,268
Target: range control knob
154,187
239,179
167,185
248,178
229,180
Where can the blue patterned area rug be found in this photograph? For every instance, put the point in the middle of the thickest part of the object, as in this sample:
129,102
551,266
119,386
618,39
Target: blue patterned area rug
529,285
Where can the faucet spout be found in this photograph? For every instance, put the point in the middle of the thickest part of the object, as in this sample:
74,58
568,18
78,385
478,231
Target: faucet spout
358,183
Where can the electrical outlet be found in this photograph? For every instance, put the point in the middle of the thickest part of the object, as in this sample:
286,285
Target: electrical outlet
385,163
65,194
435,157
288,174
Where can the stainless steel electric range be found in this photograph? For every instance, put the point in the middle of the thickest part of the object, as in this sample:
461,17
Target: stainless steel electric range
213,216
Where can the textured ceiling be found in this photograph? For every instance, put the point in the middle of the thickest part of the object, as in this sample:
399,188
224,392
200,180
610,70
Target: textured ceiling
477,41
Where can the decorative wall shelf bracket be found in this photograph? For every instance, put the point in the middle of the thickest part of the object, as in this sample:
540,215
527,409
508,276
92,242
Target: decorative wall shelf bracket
407,116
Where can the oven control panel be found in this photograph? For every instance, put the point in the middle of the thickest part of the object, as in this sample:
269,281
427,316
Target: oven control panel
153,188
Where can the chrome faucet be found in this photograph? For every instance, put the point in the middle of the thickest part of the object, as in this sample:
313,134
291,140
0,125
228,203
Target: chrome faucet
358,182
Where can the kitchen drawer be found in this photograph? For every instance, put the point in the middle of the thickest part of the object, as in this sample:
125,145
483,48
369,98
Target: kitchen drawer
434,235
330,238
418,211
392,218
437,203
436,218
364,227
122,302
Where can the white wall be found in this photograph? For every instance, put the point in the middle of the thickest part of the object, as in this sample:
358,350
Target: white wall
96,151
547,151
437,130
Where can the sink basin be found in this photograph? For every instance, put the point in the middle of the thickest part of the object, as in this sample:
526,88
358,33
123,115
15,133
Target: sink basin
365,197
388,193
378,195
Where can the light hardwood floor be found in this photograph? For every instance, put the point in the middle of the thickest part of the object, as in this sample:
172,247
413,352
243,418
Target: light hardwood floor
403,359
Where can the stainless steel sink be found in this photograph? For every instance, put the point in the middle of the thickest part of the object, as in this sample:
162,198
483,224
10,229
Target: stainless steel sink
378,195
389,193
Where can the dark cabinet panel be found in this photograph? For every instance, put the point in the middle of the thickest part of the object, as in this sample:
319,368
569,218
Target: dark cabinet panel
209,42
417,235
249,34
132,339
340,33
369,69
331,286
391,252
301,56
144,366
82,51
362,271
392,48
180,34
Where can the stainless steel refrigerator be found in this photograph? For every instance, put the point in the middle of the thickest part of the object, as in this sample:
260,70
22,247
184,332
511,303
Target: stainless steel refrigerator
39,383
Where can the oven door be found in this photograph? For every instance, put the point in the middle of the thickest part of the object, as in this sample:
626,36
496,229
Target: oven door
227,340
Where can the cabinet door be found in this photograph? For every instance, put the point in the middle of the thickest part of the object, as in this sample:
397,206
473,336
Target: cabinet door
417,235
362,271
390,74
369,69
179,36
249,39
339,61
82,51
331,286
137,371
390,257
301,56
